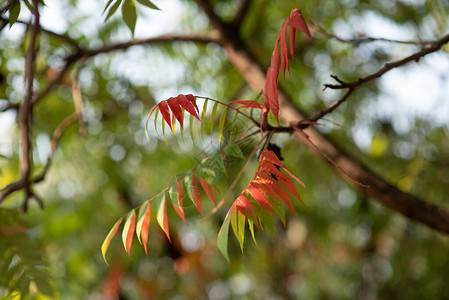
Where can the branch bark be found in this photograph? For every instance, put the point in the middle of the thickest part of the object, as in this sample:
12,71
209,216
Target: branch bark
362,178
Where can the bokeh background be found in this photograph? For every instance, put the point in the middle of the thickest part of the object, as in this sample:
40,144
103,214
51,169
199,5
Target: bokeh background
342,245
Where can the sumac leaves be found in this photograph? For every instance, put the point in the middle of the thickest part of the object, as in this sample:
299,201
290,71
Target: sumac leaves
294,21
261,199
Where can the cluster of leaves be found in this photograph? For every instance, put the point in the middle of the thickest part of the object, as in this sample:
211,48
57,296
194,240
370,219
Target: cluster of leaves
264,194
174,108
271,101
21,261
129,11
188,187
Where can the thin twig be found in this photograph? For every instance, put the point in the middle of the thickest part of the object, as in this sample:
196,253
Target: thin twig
430,48
366,39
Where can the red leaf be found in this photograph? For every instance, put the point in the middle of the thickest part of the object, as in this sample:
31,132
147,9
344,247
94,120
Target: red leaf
247,103
163,107
272,157
145,227
246,208
284,50
192,99
162,217
196,194
287,182
176,109
259,197
208,189
179,210
187,105
271,184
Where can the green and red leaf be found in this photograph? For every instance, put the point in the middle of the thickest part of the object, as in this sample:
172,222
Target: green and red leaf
107,240
128,231
196,194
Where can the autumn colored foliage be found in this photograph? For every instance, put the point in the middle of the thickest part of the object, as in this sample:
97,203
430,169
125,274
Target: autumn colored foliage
270,186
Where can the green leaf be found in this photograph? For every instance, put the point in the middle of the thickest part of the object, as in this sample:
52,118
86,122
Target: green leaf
251,229
214,112
203,115
238,222
107,240
155,119
191,129
129,14
216,160
221,124
140,219
187,183
207,173
113,9
107,5
148,3
14,12
162,218
223,235
234,150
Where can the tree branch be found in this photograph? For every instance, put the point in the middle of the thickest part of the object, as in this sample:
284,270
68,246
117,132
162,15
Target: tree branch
430,48
26,109
365,39
371,184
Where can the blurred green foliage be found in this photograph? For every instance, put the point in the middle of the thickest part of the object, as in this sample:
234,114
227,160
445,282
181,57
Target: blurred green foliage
340,246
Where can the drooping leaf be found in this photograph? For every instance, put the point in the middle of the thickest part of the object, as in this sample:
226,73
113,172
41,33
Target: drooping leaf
192,100
107,240
203,114
191,129
207,173
245,207
129,14
223,234
128,231
269,183
148,4
196,194
221,124
155,118
238,226
259,196
271,157
214,112
14,12
176,110
208,189
188,105
113,9
286,181
143,224
107,5
162,218
177,199
163,107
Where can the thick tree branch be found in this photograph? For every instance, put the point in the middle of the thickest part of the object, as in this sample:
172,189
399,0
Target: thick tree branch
362,178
